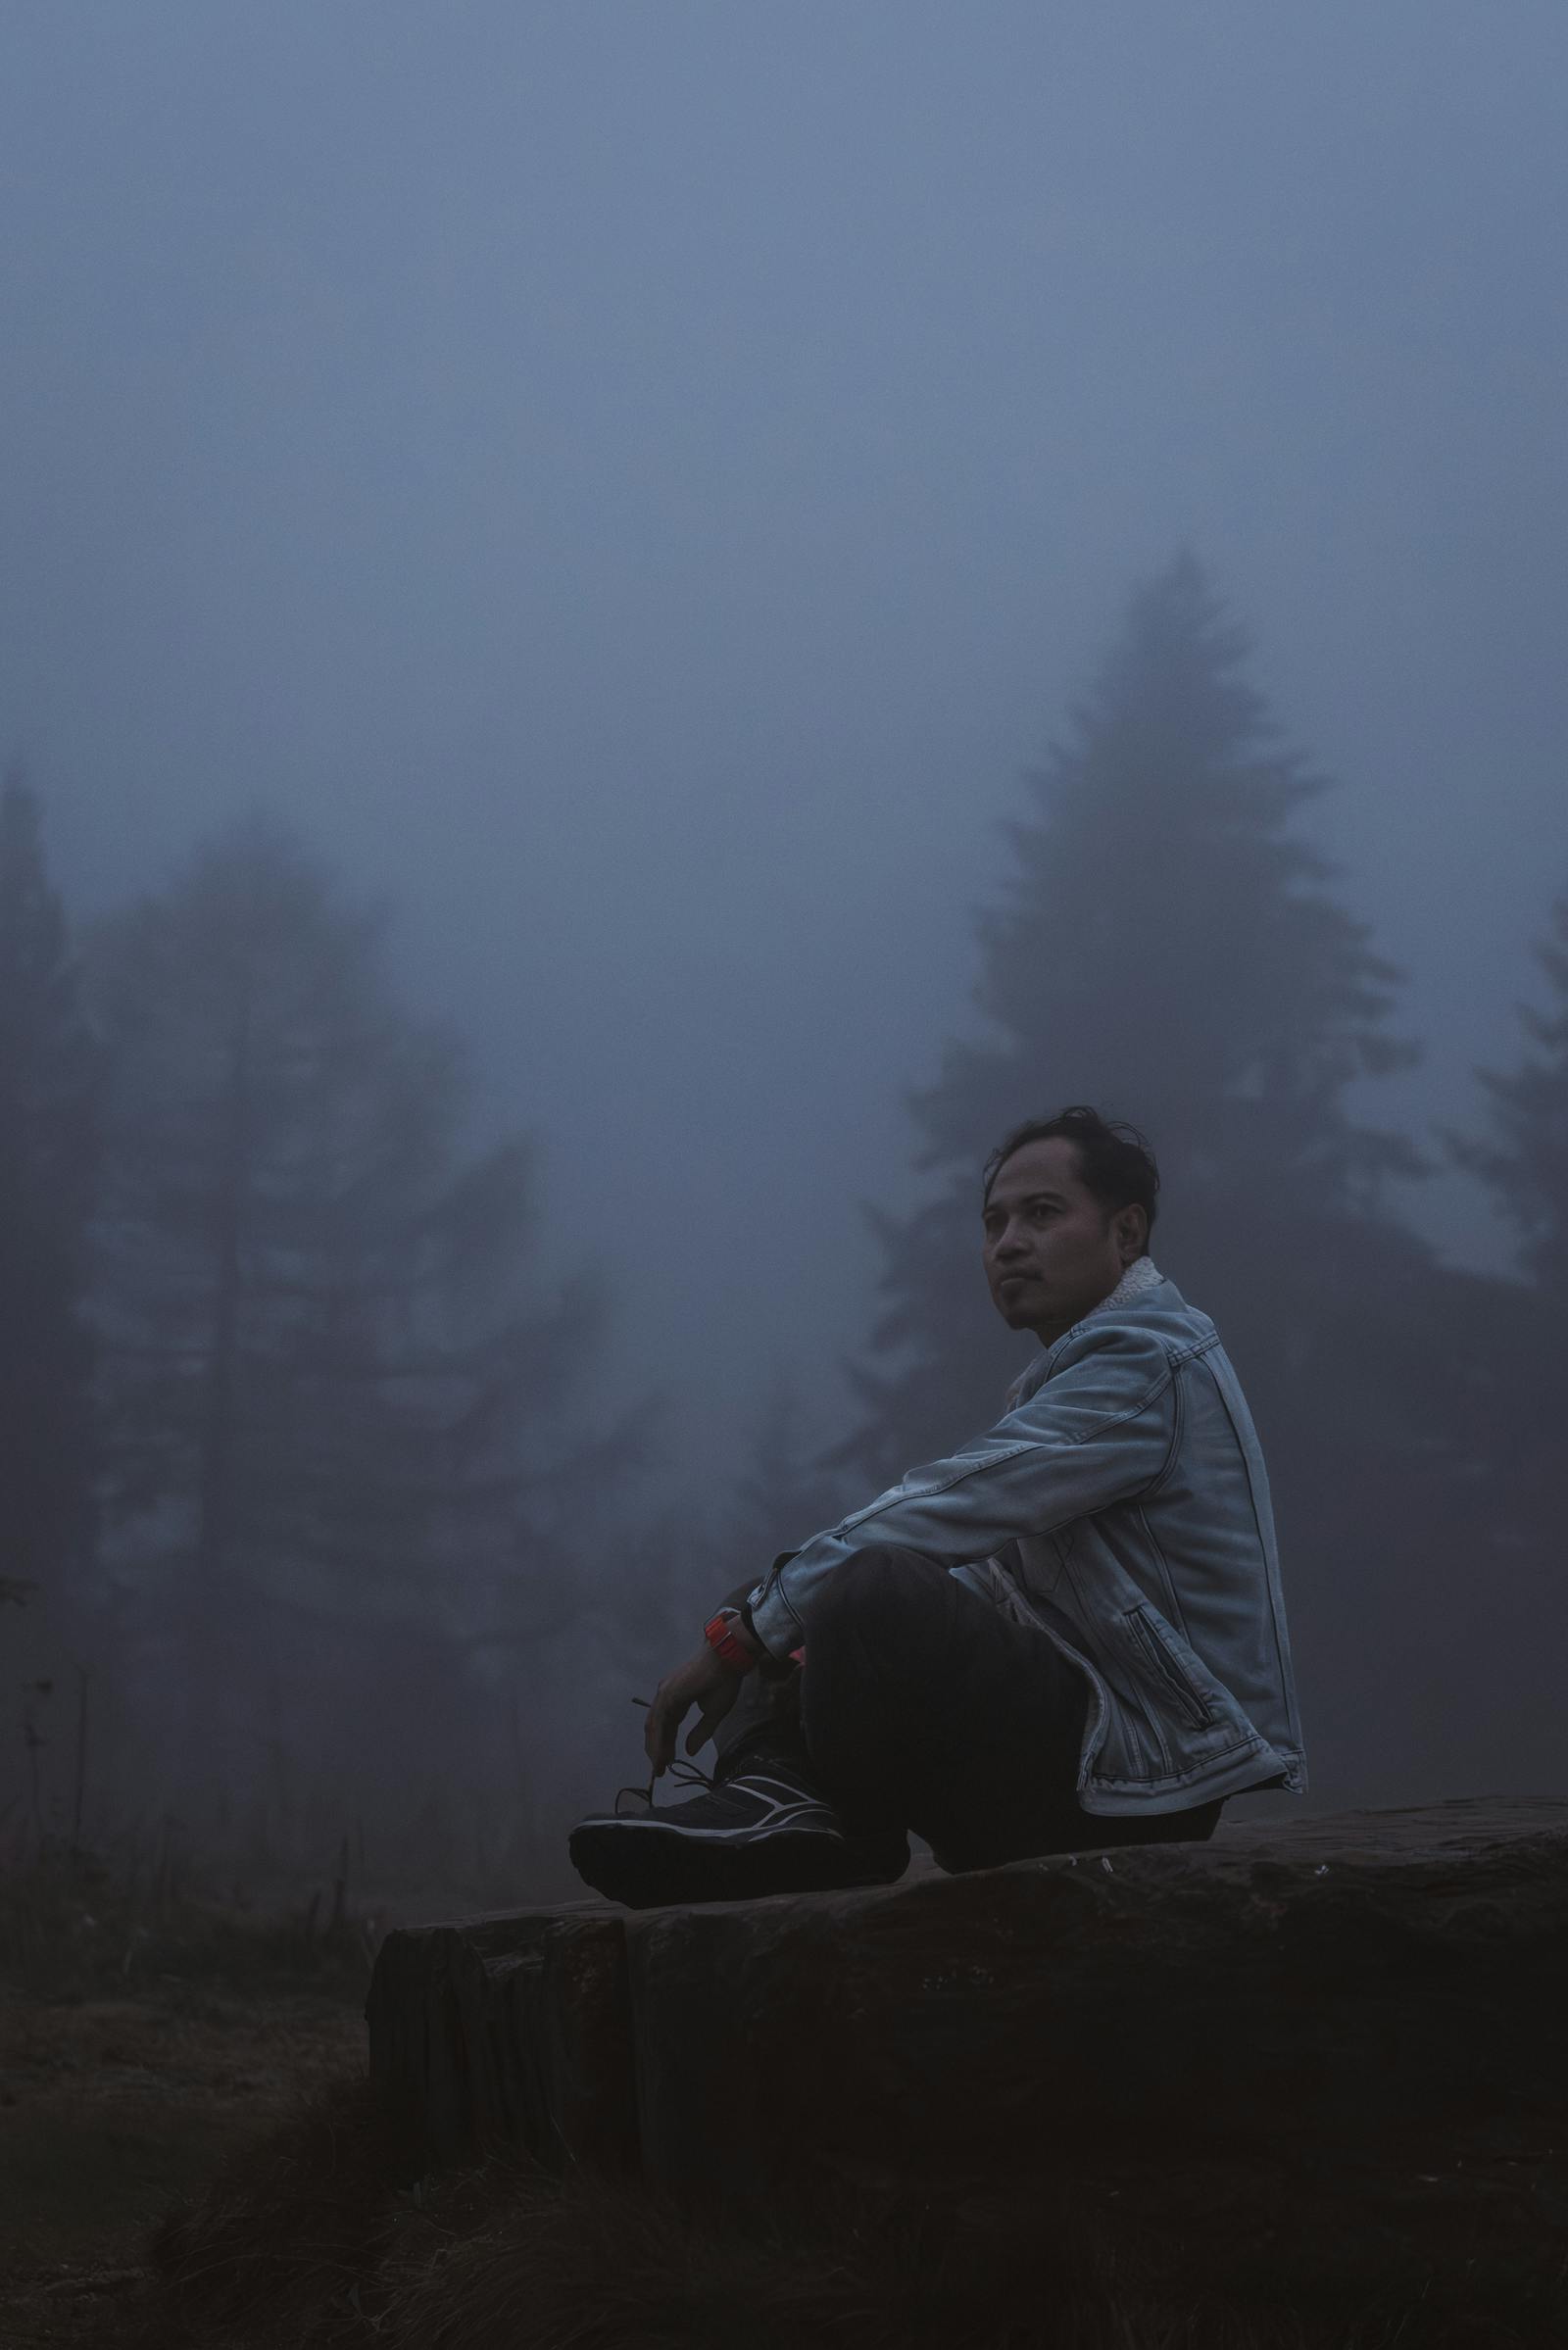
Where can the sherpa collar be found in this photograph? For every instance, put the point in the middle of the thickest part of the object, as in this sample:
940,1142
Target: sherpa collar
1141,1275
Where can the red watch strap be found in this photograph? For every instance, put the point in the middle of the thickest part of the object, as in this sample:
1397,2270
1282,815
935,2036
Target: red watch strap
721,1635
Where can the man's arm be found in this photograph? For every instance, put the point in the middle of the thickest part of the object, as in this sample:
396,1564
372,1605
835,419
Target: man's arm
1098,1431
705,1682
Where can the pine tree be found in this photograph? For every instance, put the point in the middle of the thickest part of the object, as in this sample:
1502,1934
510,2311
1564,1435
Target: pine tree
1168,949
328,1388
1525,1158
1518,1399
48,1169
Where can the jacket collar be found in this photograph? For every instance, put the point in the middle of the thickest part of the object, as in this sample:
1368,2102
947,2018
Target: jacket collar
1141,1275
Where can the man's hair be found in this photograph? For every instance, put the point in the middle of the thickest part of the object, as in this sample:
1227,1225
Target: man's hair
1114,1160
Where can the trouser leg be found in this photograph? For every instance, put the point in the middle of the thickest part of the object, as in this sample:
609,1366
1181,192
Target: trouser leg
767,1710
924,1707
753,1710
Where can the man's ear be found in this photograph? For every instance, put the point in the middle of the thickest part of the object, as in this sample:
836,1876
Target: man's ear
1132,1232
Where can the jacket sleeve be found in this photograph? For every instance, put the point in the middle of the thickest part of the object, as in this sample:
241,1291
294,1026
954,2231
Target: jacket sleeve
1097,1431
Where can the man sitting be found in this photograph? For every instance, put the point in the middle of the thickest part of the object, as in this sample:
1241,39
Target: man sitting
1068,1634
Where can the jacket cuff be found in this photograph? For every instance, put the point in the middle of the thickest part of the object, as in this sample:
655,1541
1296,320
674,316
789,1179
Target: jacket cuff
772,1619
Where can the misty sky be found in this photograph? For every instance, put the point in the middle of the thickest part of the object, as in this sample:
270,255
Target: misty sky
638,483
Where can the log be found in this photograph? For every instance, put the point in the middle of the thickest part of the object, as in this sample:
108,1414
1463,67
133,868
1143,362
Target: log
1337,1982
510,2028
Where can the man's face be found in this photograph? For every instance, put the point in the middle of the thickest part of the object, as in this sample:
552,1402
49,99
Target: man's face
1052,1250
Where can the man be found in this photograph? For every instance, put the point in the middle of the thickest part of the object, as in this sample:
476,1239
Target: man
1068,1634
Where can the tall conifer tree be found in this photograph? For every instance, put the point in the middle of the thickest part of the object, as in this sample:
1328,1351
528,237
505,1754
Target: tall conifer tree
1170,948
48,1169
1513,1615
331,1394
1524,1159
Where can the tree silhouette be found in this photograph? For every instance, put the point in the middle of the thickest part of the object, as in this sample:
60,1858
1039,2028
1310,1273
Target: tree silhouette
1168,945
1525,1158
1165,947
330,1389
1511,1616
49,1073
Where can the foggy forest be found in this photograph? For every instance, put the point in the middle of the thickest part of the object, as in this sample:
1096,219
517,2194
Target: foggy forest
332,1526
626,634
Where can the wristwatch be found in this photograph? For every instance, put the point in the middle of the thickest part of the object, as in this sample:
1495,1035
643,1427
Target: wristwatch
721,1635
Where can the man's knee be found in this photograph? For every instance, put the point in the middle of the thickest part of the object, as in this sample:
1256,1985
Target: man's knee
874,1587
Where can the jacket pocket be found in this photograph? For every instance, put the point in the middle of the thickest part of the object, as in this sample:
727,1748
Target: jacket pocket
1168,1668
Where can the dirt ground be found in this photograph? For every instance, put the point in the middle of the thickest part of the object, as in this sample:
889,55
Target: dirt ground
138,2059
111,2110
116,2111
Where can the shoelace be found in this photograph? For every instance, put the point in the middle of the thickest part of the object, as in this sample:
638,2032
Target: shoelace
683,1774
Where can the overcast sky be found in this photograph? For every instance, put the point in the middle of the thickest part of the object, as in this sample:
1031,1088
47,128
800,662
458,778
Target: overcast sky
639,482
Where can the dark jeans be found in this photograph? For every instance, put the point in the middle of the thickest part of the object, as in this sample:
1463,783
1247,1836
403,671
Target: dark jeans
921,1707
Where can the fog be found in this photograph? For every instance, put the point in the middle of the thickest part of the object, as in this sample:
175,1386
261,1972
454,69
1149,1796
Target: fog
637,488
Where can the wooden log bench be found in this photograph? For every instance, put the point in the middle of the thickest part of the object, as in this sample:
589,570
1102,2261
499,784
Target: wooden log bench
1366,1974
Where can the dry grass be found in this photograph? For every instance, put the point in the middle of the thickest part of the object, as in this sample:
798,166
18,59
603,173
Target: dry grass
306,2243
215,2076
146,2031
75,1924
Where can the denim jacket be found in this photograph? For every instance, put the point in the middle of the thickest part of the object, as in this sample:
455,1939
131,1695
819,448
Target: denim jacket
1121,1506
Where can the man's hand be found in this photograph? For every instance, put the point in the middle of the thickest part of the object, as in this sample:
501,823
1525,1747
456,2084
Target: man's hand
703,1681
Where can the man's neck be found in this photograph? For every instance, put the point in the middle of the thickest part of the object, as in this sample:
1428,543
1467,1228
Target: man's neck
1141,1274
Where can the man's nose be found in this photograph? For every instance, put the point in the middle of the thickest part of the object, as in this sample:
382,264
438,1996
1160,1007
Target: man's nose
1010,1240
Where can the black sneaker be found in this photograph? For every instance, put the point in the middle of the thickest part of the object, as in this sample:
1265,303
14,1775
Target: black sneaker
760,1827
